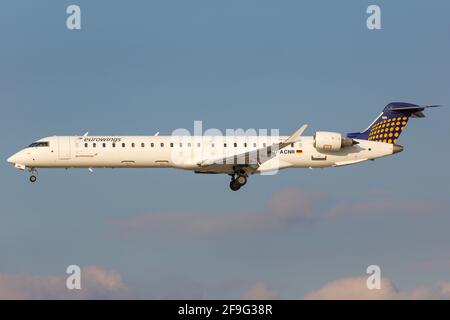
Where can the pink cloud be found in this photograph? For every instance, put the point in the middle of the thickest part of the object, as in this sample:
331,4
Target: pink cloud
354,288
96,283
260,291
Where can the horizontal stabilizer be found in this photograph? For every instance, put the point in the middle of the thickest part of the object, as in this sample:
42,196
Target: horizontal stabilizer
414,110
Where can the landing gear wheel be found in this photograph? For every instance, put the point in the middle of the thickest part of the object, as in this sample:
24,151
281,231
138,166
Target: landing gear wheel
238,181
33,178
234,186
241,180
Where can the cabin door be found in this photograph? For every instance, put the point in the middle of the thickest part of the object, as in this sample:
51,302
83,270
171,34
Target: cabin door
64,148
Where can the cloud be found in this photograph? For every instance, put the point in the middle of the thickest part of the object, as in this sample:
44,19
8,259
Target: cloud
96,283
285,208
444,289
260,292
354,288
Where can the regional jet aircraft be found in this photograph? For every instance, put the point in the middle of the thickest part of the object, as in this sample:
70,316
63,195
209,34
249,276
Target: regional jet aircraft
237,156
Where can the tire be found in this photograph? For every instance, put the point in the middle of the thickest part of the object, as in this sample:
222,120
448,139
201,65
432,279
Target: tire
234,186
33,178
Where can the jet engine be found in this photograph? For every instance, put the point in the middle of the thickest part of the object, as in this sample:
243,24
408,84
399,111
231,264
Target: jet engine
331,141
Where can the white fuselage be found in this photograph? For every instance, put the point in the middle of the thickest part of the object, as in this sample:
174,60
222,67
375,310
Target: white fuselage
186,152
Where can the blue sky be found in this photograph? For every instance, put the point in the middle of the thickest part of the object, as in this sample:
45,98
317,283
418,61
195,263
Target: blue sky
147,66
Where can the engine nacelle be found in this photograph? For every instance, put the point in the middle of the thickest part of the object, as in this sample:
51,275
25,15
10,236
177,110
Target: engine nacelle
331,141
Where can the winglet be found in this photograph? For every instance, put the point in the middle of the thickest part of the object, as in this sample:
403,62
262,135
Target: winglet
296,135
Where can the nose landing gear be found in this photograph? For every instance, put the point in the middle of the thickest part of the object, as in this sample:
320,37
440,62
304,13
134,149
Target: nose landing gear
237,181
33,176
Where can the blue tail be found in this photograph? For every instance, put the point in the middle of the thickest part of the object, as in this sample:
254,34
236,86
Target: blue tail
391,122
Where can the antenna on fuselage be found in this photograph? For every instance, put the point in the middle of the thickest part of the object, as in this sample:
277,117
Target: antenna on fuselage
157,134
85,135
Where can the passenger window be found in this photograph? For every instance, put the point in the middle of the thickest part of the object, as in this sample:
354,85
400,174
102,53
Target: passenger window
142,145
104,145
113,145
181,145
264,144
85,145
254,145
189,144
224,145
132,145
94,145
235,144
152,144
245,144
123,145
162,144
171,145
212,145
198,144
292,145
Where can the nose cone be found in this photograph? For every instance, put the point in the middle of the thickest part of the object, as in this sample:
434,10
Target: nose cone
12,159
397,148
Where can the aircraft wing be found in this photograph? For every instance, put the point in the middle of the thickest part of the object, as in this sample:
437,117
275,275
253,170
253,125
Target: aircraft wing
251,159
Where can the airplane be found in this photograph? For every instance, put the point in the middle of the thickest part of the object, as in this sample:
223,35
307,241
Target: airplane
237,156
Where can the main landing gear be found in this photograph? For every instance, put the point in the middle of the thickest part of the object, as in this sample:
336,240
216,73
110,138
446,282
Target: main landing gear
238,180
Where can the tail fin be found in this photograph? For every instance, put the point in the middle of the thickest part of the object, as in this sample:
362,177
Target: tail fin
391,122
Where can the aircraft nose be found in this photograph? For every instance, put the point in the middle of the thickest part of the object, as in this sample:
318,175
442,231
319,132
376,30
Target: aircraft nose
12,159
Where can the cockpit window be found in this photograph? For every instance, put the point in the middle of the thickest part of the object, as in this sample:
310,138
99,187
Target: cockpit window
39,144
